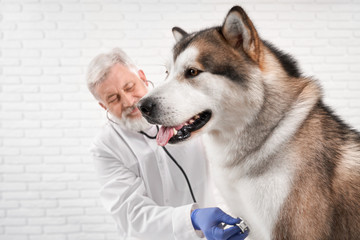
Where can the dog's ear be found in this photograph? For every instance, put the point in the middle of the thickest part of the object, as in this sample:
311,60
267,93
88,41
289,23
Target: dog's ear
240,32
178,33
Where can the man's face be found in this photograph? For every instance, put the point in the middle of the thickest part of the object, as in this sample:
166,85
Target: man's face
121,90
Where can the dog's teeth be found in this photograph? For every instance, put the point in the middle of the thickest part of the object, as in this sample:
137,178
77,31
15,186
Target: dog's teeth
175,132
186,124
197,116
191,121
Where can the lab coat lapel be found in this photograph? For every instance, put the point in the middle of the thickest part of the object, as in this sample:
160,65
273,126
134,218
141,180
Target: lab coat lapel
136,142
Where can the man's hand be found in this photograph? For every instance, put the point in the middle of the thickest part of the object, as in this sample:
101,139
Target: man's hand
208,220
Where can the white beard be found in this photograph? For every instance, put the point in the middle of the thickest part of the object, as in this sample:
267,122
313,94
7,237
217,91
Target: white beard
133,124
138,124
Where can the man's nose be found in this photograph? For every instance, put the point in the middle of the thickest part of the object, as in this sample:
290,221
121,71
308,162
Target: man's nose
146,106
128,100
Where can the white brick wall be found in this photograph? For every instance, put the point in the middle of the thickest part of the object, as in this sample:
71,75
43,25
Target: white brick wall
48,185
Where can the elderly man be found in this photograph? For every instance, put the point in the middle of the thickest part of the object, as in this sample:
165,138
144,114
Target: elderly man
148,194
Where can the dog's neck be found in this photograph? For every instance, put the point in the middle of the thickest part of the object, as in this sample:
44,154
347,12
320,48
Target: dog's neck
269,130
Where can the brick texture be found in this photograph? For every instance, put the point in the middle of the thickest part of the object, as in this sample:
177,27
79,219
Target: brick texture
48,185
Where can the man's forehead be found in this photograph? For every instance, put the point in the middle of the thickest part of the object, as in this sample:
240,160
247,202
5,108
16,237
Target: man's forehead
110,81
115,70
119,73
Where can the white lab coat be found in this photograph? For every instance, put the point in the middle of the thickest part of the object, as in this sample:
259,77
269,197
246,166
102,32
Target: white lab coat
144,190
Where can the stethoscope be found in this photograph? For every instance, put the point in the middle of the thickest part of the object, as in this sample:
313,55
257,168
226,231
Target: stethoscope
173,159
168,153
242,225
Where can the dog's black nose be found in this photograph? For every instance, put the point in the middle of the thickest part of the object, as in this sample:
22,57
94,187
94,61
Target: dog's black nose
146,107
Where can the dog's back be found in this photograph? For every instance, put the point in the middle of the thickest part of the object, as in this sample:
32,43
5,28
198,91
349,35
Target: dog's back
324,200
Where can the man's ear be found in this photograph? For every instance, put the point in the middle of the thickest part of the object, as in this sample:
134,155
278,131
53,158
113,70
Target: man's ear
142,76
102,105
240,33
178,33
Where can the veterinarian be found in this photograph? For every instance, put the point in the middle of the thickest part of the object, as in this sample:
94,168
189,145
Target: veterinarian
142,187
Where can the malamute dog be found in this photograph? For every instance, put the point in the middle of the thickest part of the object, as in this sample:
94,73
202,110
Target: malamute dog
281,159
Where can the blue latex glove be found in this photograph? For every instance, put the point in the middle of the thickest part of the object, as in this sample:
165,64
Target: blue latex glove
208,220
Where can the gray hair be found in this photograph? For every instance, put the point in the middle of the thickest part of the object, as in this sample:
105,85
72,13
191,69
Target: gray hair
99,67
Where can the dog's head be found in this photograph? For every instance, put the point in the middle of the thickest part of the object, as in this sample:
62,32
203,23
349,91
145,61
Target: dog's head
214,81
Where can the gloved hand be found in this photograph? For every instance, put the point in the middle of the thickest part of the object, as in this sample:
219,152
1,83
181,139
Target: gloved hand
208,219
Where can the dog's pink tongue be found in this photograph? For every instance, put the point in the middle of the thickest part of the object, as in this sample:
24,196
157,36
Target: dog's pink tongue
164,135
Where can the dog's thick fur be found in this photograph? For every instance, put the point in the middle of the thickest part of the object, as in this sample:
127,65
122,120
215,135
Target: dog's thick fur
281,159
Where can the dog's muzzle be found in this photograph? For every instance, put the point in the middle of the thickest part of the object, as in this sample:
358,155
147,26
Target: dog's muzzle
147,107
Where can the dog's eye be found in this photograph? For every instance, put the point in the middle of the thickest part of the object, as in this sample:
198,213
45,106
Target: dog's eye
192,72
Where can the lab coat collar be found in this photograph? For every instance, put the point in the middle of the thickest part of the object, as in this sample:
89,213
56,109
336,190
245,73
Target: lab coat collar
135,140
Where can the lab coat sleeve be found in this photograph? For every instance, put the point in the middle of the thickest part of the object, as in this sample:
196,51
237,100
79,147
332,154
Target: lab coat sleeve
124,196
